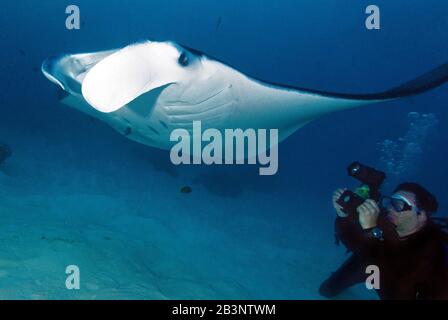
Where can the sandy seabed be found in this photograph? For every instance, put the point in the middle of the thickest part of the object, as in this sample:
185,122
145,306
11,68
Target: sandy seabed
133,235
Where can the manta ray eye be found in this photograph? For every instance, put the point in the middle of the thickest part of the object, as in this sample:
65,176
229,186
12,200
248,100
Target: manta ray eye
183,59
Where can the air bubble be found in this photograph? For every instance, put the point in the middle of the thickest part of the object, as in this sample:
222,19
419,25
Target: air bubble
401,156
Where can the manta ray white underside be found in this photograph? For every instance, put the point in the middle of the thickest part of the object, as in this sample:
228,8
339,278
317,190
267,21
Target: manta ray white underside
147,90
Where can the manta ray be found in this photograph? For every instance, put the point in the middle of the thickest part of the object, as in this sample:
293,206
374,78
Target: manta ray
148,89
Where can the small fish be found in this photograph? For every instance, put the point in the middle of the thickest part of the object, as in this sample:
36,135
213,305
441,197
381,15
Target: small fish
22,52
218,23
186,189
127,131
5,152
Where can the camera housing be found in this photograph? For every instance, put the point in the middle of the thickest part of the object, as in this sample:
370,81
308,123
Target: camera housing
371,181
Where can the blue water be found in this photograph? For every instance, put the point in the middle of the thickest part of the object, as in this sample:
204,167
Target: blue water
76,192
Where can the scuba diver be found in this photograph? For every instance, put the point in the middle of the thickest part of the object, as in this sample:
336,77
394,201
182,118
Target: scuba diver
395,233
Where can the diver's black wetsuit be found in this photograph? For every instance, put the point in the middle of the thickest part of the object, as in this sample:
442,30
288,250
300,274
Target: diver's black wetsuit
411,268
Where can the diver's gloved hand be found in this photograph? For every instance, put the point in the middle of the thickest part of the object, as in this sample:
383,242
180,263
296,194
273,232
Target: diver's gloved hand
336,195
368,214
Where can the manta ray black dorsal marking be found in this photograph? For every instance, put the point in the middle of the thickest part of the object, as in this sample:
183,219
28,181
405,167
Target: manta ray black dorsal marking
429,80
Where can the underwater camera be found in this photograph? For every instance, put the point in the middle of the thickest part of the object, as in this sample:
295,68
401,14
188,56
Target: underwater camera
371,181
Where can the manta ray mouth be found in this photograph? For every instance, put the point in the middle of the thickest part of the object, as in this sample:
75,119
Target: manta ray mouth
69,71
48,69
56,70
